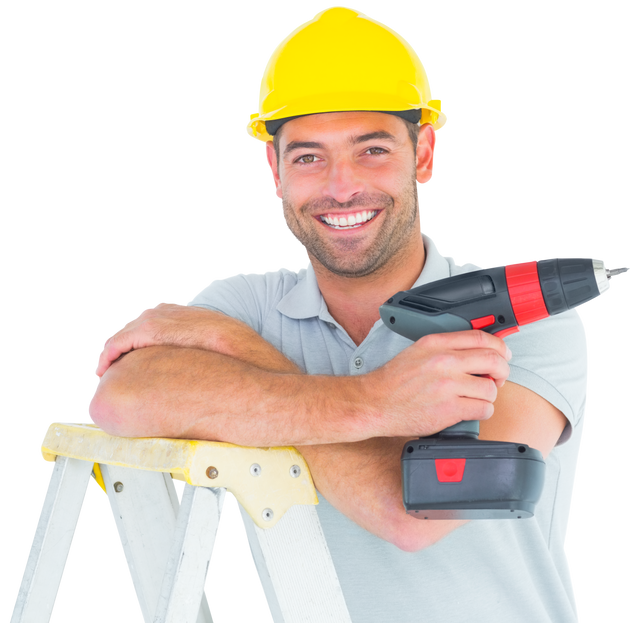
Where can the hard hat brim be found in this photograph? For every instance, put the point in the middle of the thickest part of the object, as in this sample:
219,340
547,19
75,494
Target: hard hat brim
263,130
412,116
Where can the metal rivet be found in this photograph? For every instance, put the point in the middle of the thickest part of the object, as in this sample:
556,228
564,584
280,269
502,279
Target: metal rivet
295,471
212,472
118,486
255,469
267,514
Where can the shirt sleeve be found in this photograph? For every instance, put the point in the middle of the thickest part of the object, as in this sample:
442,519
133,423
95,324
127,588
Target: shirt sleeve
550,358
248,298
242,297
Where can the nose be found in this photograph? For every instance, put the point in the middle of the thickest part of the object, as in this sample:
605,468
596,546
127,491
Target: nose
343,182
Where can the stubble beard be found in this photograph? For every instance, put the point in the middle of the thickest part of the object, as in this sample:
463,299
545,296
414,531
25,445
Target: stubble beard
348,257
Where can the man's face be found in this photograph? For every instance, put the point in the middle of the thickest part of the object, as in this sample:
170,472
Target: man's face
348,188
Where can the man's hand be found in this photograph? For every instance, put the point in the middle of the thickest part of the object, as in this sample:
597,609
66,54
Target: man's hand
176,324
437,382
166,323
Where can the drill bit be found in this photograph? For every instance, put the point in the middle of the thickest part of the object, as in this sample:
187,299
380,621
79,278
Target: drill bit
615,271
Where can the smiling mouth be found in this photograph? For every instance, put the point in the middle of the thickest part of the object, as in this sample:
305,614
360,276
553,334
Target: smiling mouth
349,221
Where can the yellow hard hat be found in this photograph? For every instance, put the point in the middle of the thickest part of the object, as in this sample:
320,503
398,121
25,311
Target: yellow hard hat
339,61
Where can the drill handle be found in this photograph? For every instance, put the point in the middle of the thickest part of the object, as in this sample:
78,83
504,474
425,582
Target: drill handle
467,428
477,300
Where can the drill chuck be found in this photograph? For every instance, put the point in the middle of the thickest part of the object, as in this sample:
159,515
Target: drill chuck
602,276
565,284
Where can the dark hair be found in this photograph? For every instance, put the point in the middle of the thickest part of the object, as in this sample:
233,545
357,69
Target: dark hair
412,128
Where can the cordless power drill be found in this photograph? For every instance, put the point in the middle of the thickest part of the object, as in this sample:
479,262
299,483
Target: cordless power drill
453,474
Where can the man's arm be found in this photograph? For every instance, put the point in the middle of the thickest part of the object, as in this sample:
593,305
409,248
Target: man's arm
167,391
143,393
363,480
194,390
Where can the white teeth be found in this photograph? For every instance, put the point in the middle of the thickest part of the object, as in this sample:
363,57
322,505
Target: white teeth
349,222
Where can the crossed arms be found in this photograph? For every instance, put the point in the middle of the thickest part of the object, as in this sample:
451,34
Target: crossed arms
193,373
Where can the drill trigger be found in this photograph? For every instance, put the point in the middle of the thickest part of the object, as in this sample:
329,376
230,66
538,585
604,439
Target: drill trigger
506,332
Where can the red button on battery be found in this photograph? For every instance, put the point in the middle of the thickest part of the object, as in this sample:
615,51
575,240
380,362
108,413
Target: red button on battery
485,321
450,470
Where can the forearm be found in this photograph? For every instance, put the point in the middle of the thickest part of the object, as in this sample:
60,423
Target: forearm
363,481
359,479
190,393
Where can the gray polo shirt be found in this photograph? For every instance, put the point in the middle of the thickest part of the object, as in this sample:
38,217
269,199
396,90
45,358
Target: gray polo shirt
486,571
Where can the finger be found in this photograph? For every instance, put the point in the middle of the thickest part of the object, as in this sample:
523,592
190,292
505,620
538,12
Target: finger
474,409
107,357
479,388
139,333
124,341
106,340
115,347
497,382
485,363
104,344
463,340
112,353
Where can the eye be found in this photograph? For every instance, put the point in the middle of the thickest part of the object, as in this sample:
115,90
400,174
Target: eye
307,159
312,159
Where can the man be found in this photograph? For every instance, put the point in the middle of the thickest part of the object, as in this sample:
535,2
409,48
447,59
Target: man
303,358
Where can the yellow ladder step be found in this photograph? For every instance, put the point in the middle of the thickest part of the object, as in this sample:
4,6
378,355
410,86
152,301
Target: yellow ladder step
261,479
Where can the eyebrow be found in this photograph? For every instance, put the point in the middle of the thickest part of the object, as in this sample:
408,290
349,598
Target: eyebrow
363,138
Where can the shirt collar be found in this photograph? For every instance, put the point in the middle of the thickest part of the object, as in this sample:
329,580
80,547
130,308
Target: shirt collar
305,300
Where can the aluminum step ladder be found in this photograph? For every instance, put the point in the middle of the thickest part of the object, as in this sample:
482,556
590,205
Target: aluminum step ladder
168,545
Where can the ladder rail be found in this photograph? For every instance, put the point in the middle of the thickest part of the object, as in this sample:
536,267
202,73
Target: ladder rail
145,508
186,571
296,569
52,541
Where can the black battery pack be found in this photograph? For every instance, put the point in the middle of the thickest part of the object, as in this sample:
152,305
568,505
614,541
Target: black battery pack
466,478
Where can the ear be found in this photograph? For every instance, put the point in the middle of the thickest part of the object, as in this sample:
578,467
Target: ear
273,163
424,153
